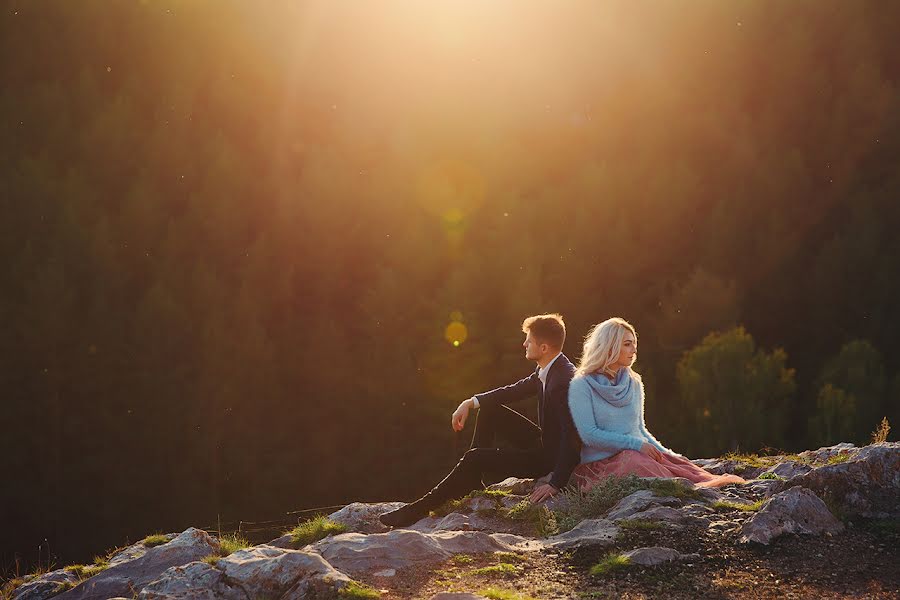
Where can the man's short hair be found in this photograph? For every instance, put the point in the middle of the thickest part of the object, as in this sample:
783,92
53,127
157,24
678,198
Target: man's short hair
548,329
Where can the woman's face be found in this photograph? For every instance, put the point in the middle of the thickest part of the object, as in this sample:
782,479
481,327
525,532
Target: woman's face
629,351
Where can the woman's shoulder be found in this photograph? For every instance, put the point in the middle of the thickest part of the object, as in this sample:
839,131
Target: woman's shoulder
579,383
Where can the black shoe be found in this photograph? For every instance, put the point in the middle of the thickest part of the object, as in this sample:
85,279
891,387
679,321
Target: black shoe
411,513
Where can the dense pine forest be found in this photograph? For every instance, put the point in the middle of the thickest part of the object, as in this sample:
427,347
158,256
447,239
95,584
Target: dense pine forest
254,254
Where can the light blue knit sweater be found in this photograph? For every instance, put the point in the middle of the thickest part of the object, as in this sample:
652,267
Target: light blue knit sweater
609,415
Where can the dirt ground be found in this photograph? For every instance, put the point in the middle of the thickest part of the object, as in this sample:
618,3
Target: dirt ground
862,562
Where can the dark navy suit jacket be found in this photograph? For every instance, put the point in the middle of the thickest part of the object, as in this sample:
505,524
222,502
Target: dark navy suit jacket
559,439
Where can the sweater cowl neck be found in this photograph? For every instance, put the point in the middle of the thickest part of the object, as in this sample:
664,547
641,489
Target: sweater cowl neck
621,391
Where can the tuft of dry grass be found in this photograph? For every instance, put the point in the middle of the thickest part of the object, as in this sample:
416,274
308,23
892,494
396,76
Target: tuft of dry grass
881,432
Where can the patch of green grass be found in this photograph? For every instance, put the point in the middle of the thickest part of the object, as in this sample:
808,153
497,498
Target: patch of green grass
358,590
504,569
543,519
450,506
314,530
84,571
156,539
597,501
609,563
500,594
744,506
459,504
670,487
841,457
212,559
769,475
461,559
509,557
639,524
494,494
765,462
232,542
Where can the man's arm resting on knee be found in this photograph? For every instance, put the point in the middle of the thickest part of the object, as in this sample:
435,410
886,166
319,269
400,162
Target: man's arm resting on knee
510,393
523,388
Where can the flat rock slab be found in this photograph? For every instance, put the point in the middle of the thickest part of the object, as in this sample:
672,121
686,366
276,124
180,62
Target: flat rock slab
637,502
126,577
514,485
358,553
797,510
590,532
258,572
363,517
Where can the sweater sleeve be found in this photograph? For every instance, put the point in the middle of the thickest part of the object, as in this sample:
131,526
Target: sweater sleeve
649,436
580,398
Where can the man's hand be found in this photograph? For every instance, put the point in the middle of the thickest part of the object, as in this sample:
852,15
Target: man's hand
458,419
652,452
542,493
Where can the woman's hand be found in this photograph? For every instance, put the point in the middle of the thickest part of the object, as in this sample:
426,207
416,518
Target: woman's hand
651,451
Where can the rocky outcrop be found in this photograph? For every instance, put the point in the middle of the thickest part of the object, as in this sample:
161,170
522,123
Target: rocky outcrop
797,510
358,553
866,484
853,481
45,586
259,572
129,576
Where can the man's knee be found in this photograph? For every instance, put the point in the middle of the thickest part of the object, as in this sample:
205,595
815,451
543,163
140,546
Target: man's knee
478,455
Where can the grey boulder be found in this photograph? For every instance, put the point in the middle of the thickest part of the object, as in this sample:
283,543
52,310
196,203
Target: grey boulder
797,510
128,576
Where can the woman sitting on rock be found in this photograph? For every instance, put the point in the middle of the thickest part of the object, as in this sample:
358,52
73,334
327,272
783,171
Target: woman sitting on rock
606,399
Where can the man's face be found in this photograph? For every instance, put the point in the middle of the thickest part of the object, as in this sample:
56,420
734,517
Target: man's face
629,351
534,350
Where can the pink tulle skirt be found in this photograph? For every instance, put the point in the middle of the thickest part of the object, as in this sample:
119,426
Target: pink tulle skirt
632,462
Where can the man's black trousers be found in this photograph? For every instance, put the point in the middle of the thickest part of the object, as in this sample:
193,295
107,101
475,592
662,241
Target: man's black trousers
484,461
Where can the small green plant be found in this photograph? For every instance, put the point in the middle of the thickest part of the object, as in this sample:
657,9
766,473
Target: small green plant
744,506
881,432
609,563
504,569
314,530
462,559
539,515
212,559
841,457
764,462
155,539
500,594
459,504
639,524
509,557
771,475
232,542
101,563
450,506
494,494
358,591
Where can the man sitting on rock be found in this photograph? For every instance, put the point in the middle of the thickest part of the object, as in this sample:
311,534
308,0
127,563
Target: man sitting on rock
549,449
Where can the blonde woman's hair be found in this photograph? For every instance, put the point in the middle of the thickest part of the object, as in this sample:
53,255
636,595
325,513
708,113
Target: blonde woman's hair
602,346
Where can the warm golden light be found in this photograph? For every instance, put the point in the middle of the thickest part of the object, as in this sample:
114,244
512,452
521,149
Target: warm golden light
456,333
